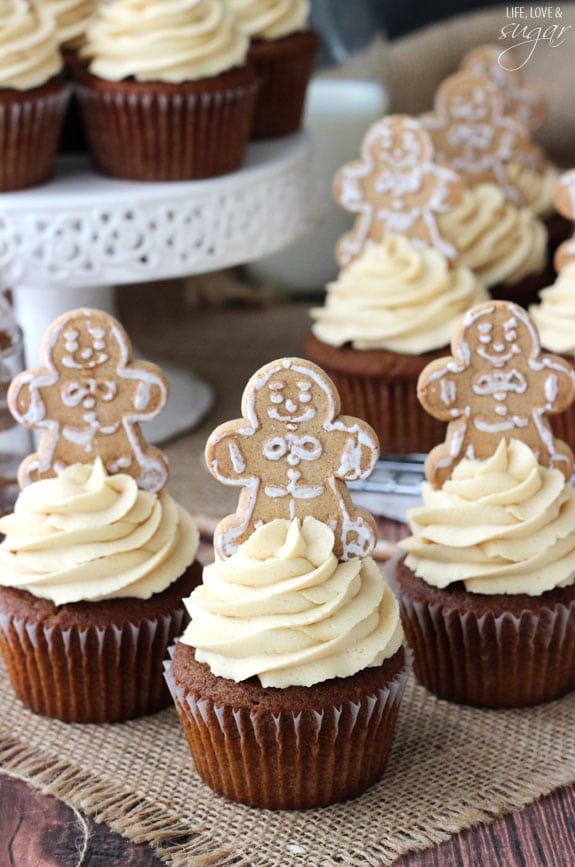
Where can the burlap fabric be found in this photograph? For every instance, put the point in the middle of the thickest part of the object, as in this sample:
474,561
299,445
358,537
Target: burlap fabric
450,766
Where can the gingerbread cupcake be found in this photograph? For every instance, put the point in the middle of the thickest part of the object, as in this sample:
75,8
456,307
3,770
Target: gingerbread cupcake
96,556
33,95
400,292
283,50
288,679
169,95
486,583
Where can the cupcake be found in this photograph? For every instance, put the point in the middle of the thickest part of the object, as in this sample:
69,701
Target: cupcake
486,581
283,50
33,95
505,246
288,679
554,317
169,94
388,314
96,556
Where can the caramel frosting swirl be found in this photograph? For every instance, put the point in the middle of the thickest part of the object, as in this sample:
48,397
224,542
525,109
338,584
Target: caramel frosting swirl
396,296
283,608
535,187
498,241
270,19
555,313
29,52
88,536
502,525
72,17
172,41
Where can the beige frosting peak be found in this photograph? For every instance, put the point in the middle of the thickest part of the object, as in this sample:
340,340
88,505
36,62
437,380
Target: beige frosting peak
502,525
555,313
283,608
87,536
498,241
29,53
72,17
536,187
171,41
270,19
396,296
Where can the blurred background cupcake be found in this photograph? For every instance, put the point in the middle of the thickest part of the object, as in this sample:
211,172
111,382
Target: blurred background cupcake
33,94
168,94
283,50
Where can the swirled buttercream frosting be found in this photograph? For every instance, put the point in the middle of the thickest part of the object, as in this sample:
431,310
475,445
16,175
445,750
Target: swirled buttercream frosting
555,313
498,241
284,609
270,19
172,41
501,525
72,17
29,53
87,536
536,187
396,296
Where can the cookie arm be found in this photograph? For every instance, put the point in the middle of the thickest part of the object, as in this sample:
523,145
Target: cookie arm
360,448
558,384
437,389
225,456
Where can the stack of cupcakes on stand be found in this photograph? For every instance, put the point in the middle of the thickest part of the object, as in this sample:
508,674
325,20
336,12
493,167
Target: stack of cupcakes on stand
168,94
96,556
283,50
486,583
400,291
554,315
288,678
33,95
495,230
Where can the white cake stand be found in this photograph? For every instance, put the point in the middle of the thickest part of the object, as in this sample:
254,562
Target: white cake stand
67,243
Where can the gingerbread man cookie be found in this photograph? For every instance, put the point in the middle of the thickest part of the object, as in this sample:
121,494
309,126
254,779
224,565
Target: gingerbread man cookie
292,453
472,134
520,100
87,400
564,201
497,384
395,187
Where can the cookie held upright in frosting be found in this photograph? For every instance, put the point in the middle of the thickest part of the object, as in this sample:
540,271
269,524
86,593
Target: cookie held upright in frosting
96,556
293,660
487,582
33,94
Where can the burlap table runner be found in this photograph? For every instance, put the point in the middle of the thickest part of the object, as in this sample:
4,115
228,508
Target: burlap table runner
450,766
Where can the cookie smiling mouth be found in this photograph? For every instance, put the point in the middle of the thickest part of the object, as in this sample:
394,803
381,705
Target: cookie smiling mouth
495,360
294,419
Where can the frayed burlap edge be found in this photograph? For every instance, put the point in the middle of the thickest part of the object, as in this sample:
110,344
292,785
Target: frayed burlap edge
182,842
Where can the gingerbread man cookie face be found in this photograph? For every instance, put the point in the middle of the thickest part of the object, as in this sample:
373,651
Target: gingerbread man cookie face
472,134
88,399
395,188
497,384
292,453
564,201
520,100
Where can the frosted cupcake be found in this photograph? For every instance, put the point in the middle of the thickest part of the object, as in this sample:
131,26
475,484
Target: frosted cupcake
288,679
390,312
97,556
72,18
486,584
282,49
505,246
33,95
169,94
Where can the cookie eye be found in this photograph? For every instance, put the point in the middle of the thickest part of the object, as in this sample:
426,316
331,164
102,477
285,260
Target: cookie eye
511,335
276,398
305,397
485,338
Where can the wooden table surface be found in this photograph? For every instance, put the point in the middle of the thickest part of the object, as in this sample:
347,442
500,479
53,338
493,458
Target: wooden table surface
39,831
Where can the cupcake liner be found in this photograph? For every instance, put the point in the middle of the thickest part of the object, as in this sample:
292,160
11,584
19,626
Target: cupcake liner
155,131
284,67
30,124
288,760
489,660
91,675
